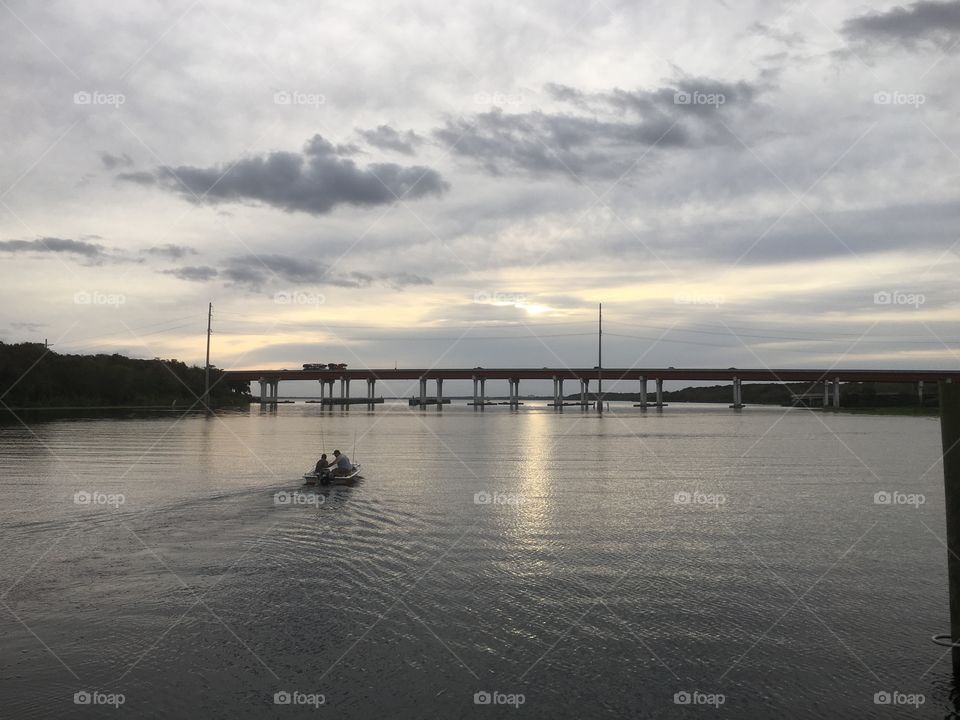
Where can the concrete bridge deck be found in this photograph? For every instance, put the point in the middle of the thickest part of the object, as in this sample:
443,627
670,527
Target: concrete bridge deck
270,379
748,374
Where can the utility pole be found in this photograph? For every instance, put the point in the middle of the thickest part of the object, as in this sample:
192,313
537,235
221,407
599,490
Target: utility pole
206,367
600,360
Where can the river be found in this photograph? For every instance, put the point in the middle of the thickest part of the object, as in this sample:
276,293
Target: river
694,562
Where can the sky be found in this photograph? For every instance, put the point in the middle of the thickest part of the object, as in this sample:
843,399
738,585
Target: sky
757,184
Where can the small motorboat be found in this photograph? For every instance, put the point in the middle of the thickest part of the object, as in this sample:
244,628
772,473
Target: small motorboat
326,476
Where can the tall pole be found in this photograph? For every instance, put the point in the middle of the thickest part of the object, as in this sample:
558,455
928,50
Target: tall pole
206,367
600,359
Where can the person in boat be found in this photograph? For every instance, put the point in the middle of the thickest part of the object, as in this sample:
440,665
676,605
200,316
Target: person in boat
343,464
322,464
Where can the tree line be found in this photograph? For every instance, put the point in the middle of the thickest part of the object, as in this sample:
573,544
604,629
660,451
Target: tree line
32,375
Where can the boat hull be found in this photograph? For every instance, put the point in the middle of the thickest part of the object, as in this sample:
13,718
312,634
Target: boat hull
326,477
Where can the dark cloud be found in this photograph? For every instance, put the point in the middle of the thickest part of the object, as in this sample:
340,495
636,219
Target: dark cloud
314,181
93,253
386,138
605,135
920,23
112,162
173,252
257,271
195,273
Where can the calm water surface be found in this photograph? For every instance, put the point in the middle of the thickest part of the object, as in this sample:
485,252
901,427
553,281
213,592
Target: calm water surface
733,556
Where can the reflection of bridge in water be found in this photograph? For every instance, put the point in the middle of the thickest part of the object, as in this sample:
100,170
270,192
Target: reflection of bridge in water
829,379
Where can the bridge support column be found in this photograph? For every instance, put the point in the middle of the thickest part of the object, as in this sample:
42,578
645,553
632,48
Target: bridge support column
643,394
556,399
274,391
659,393
371,392
950,439
483,393
515,393
423,393
920,392
826,393
836,393
475,383
323,386
559,405
263,391
439,394
584,393
737,394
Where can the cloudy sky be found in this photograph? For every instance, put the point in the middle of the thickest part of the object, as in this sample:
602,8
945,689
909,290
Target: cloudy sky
375,183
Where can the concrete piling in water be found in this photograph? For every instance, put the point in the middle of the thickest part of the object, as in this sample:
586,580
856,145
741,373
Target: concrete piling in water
737,393
950,438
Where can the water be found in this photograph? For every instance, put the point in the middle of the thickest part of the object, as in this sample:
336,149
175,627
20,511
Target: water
584,585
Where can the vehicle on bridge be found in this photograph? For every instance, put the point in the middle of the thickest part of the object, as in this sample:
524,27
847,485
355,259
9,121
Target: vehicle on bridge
324,366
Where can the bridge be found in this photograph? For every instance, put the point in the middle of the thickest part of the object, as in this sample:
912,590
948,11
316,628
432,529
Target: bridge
270,379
